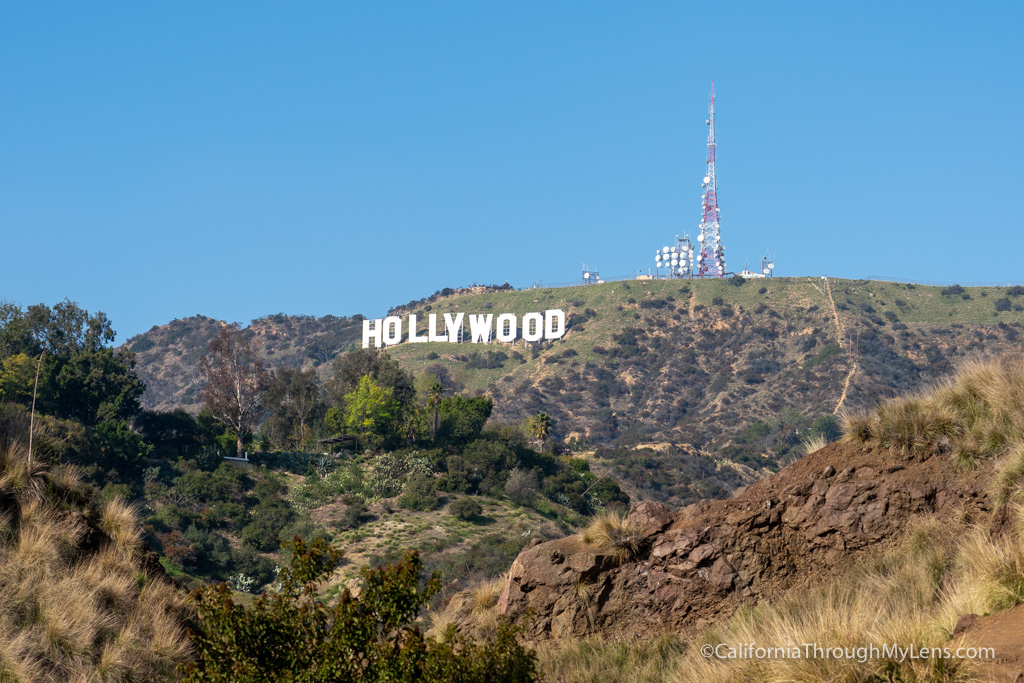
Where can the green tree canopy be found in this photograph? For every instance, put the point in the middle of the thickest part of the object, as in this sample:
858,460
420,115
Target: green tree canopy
294,403
462,418
372,412
291,635
351,367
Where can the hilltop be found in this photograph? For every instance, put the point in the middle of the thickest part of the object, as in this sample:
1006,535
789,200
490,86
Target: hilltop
668,369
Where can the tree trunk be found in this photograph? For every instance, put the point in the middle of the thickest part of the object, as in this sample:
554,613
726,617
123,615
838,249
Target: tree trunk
241,452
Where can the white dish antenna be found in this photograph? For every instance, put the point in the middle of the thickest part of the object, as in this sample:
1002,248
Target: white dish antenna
707,180
586,276
700,238
771,266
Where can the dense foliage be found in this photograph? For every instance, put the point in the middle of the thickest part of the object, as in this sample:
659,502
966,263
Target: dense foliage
290,634
91,389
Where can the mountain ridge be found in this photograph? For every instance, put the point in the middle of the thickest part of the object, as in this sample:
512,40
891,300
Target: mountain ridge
734,371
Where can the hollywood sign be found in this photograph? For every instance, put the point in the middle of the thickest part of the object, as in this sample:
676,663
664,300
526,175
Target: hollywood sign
482,328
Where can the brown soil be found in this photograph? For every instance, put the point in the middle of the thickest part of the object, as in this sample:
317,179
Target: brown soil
1004,632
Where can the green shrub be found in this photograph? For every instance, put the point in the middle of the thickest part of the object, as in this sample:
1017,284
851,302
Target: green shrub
259,568
370,638
420,494
465,509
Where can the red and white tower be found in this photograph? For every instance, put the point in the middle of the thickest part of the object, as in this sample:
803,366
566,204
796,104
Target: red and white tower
711,257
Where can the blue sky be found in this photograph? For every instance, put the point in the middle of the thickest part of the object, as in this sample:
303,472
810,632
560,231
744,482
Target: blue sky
159,160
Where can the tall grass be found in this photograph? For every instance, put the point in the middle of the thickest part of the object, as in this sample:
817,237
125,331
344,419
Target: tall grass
72,608
814,443
650,660
979,412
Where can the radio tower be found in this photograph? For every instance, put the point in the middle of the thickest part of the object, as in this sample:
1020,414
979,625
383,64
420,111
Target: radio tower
711,259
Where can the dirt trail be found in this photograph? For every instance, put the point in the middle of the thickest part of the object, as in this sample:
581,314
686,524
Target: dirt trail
846,387
842,345
835,314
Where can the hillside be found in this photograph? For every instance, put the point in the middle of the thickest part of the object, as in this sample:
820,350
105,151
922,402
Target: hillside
905,532
168,355
682,367
82,600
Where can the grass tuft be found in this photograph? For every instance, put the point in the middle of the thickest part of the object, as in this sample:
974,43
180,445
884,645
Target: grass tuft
814,443
1009,475
611,531
486,593
120,521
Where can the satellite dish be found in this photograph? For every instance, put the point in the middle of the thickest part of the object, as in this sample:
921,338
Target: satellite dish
707,180
772,266
765,271
665,249
586,276
700,238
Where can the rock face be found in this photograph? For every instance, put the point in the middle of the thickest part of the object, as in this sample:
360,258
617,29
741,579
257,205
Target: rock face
696,567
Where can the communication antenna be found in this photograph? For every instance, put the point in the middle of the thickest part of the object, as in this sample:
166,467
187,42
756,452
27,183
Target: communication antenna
767,266
590,277
678,260
711,255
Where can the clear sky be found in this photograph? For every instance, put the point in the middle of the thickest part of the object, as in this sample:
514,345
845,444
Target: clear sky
159,160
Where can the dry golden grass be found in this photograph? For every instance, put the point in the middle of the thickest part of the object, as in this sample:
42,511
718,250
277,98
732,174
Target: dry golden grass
613,532
440,620
980,411
120,521
486,593
814,443
897,598
583,660
857,426
68,613
1009,474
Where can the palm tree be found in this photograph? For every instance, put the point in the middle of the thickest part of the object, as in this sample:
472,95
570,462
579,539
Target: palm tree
434,394
540,427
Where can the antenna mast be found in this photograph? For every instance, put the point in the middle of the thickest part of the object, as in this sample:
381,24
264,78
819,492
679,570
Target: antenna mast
711,259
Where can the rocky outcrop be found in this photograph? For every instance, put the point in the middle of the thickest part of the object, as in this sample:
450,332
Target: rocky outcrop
696,567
